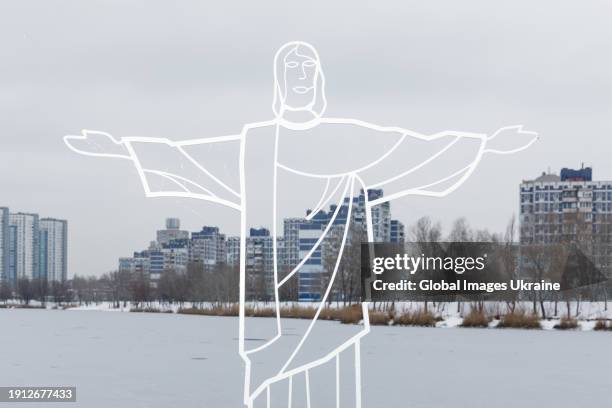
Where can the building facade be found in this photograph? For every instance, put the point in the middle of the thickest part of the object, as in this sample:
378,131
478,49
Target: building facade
53,240
260,264
260,284
32,247
24,250
208,247
301,236
232,251
138,263
397,234
4,244
157,258
172,231
568,208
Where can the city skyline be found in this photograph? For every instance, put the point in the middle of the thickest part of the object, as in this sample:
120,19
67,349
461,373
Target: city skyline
298,247
50,259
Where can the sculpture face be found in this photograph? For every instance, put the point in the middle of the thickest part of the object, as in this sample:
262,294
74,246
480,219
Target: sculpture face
300,79
299,82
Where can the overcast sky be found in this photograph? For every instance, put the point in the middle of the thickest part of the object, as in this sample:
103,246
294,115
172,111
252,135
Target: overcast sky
193,69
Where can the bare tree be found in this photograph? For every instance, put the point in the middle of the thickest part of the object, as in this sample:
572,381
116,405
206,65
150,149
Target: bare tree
6,292
461,231
24,289
346,286
168,287
424,231
118,286
140,288
40,289
425,234
289,290
509,258
59,292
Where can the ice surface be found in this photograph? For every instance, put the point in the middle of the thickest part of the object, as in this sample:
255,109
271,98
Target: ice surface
168,360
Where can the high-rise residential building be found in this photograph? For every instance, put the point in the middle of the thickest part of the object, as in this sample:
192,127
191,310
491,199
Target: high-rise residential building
397,234
551,206
210,248
176,255
313,274
31,247
569,207
155,262
4,244
291,236
300,235
172,231
157,258
171,251
173,223
25,246
53,240
207,247
232,251
381,215
12,254
260,263
135,264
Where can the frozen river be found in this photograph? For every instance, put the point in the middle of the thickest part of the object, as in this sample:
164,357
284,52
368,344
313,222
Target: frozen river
159,360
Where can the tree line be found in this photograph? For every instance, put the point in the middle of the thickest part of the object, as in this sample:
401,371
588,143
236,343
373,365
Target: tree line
199,284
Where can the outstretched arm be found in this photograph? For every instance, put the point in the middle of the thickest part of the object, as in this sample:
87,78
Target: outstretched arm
171,163
438,164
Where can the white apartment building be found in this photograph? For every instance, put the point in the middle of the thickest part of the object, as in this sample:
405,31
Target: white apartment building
25,247
53,249
172,232
4,243
569,207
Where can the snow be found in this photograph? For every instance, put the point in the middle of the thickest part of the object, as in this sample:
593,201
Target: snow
160,360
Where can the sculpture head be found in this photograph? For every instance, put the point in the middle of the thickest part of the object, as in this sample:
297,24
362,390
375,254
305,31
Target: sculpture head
299,83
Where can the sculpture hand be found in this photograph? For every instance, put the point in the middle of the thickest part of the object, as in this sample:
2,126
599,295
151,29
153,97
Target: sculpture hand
98,144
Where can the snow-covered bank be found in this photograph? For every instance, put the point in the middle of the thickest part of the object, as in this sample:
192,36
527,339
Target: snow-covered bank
448,314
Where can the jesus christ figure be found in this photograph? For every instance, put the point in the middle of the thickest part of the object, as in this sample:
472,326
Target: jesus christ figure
299,146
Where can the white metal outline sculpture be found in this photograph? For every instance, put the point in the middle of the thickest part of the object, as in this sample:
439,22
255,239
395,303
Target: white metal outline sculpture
314,108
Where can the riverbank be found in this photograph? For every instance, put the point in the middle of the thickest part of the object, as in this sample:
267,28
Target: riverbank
587,315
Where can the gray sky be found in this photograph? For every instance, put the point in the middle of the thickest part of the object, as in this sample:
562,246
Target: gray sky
193,69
